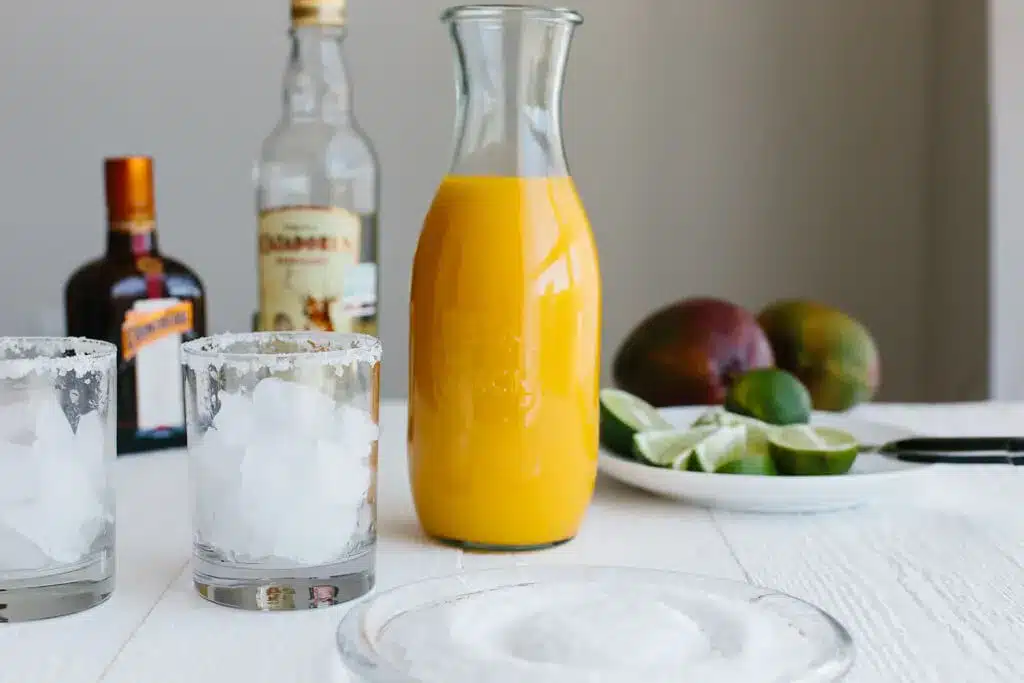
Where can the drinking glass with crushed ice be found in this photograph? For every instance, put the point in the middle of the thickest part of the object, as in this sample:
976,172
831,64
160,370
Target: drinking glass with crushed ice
282,443
57,442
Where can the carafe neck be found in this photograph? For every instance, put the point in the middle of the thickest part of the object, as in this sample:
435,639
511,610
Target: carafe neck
316,86
511,67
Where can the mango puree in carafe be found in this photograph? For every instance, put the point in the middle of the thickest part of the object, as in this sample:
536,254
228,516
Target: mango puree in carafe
504,362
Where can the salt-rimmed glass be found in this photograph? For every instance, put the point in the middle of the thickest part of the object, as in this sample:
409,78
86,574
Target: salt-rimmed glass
57,442
566,624
282,442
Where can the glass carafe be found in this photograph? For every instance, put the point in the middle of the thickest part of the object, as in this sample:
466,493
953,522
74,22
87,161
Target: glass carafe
506,301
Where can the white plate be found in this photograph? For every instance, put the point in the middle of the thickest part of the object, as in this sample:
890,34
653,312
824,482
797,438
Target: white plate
873,477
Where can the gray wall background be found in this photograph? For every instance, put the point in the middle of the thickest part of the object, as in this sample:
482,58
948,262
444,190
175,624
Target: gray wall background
749,149
1006,273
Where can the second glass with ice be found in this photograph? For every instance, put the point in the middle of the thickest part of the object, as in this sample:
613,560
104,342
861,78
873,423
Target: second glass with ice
57,406
282,440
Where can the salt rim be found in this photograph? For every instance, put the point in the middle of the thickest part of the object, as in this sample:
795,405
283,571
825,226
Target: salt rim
335,348
43,354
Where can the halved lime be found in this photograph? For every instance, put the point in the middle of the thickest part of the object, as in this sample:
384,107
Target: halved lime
622,416
802,450
671,447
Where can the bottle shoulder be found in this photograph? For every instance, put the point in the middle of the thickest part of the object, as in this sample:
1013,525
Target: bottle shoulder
178,267
112,278
86,273
181,280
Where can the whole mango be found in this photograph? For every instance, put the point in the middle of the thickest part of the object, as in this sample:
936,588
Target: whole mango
831,353
688,353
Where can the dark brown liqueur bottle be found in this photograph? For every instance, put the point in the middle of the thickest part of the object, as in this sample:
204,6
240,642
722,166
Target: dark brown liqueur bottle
143,301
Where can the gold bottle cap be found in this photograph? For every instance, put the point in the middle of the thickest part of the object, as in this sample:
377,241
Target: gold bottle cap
131,205
318,13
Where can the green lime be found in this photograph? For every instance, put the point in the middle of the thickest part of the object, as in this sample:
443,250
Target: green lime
622,416
802,450
770,395
749,464
672,447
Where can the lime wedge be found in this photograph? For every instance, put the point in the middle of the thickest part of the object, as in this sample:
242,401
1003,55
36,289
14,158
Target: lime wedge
801,450
757,431
733,449
622,416
671,447
723,418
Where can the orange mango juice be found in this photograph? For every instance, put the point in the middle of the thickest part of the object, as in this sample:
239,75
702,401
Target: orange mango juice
504,363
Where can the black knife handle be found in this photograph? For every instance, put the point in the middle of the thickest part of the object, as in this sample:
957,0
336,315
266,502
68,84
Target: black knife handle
971,450
959,458
958,444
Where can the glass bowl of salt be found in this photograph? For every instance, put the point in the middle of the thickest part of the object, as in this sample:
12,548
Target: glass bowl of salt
570,624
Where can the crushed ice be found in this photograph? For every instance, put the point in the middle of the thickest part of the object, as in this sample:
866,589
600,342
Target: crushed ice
52,485
282,473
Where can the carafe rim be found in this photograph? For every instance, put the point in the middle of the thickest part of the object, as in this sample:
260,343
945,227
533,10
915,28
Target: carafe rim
500,11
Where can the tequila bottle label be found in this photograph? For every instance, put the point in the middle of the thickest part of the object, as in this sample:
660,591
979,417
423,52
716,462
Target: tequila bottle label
310,274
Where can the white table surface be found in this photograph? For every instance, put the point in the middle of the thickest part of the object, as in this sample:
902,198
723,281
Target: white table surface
932,588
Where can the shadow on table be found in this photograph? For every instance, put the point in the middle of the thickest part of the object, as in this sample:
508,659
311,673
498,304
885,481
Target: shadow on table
401,528
608,488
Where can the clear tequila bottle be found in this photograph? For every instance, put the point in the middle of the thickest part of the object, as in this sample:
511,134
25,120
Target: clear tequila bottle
318,190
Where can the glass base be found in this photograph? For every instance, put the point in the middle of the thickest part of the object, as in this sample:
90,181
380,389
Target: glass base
265,589
497,548
58,594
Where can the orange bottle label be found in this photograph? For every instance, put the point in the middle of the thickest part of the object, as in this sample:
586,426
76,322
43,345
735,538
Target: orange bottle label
143,328
151,337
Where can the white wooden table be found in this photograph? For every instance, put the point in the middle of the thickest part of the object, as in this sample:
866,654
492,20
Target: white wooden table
932,589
